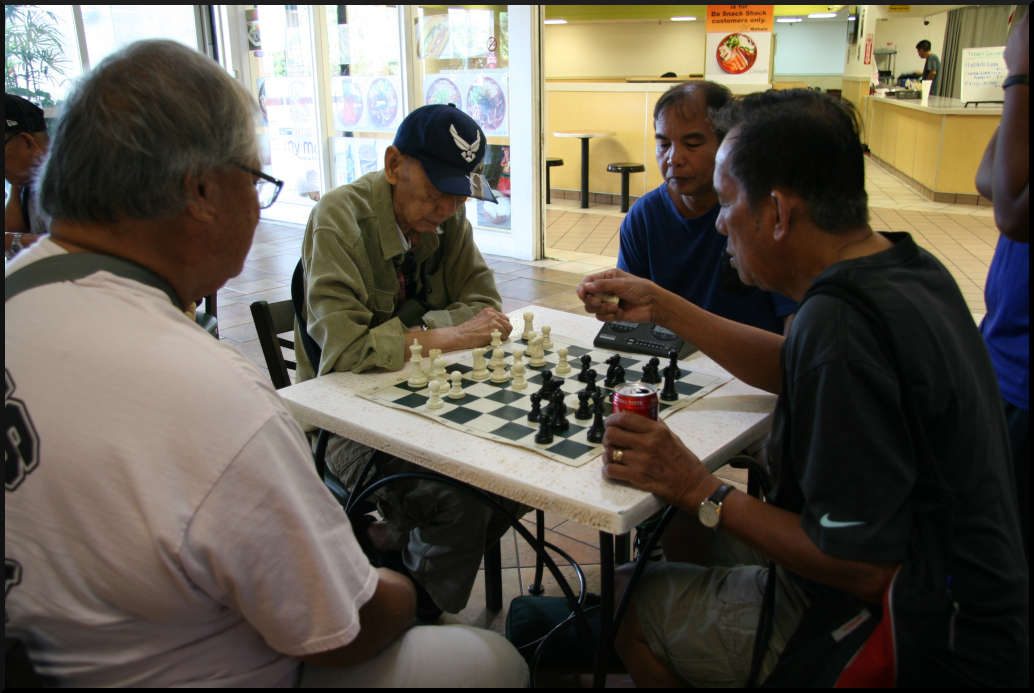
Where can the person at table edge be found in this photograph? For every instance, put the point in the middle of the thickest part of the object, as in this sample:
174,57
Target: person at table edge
840,520
389,259
669,236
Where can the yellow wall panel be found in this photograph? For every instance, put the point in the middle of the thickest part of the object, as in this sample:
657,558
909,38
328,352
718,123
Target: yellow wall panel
962,147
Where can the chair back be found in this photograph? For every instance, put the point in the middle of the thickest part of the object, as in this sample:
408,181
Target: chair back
271,321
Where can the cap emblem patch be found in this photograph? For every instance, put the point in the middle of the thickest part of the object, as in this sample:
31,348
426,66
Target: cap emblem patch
467,151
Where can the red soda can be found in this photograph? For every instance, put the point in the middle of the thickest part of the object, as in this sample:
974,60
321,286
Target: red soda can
638,398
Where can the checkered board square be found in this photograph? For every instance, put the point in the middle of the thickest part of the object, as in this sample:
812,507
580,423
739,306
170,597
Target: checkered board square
498,412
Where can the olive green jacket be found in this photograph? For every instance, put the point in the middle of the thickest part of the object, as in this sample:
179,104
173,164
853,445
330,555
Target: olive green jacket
349,254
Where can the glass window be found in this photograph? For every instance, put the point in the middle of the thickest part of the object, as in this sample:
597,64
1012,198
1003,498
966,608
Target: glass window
281,66
463,58
42,54
110,27
364,55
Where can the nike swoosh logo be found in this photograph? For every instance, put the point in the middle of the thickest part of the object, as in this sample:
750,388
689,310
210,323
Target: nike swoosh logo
834,524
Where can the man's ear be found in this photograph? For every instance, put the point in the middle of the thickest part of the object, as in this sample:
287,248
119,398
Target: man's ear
785,207
198,192
393,160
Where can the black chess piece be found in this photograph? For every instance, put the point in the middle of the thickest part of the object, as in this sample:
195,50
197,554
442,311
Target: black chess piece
536,407
586,362
615,372
556,385
583,412
668,392
595,432
547,376
544,435
560,423
590,381
651,372
673,363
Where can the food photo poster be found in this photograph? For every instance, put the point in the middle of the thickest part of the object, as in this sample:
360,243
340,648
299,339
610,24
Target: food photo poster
739,44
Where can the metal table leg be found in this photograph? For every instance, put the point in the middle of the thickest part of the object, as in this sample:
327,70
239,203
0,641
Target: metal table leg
606,643
585,172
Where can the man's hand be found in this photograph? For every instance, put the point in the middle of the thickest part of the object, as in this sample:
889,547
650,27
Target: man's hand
653,459
636,296
478,330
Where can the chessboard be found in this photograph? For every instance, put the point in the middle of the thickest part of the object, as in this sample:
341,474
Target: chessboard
498,411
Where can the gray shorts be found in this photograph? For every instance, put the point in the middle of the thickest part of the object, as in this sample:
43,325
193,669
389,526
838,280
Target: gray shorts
701,620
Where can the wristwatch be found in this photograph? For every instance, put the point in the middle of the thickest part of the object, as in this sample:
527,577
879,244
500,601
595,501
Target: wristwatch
710,513
16,243
1014,80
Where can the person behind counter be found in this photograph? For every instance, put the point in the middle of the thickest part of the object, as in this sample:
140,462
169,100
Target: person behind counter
888,458
932,66
163,524
388,260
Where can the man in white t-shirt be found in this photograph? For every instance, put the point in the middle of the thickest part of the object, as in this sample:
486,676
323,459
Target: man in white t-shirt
164,525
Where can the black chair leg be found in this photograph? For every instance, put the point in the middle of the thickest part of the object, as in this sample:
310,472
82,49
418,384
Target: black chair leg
624,191
540,537
547,185
493,577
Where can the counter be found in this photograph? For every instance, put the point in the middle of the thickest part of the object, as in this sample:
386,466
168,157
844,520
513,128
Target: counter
937,146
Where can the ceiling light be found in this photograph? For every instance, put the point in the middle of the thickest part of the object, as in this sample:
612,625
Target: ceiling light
555,21
852,18
683,19
789,20
822,15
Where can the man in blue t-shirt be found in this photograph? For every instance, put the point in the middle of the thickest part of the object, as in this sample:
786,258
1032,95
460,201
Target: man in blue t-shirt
669,234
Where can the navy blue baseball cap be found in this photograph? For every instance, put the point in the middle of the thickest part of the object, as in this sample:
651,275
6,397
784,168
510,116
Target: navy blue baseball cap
22,116
450,146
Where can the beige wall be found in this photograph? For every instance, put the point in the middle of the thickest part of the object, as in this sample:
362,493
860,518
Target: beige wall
623,49
626,113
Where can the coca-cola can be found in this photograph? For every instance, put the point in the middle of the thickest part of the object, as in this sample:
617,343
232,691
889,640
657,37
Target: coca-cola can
638,398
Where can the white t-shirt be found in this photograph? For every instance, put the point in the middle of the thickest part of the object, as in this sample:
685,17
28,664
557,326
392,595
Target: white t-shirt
164,524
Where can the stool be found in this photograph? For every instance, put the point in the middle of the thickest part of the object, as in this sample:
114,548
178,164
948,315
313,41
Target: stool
550,163
625,168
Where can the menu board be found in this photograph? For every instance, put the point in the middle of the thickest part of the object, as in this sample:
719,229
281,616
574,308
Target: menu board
983,71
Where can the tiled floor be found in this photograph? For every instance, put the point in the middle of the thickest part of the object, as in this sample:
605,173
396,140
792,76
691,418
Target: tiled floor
579,242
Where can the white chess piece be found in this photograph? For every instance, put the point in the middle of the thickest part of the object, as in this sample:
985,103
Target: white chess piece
436,399
457,386
417,377
536,353
518,357
519,383
498,358
497,338
499,373
547,343
528,329
562,366
480,371
438,372
432,354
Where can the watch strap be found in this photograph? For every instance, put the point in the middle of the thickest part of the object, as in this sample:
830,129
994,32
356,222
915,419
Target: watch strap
720,493
1013,80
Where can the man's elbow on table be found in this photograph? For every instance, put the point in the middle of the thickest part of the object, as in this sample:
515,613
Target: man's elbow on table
389,613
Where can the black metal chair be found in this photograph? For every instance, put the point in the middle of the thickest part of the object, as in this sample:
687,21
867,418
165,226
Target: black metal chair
625,168
550,163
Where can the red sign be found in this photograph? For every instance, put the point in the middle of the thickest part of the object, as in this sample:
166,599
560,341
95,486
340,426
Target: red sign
868,50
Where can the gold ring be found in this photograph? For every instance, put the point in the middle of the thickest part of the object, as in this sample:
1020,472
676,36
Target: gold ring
617,454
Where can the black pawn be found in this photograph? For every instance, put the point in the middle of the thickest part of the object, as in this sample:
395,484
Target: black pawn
652,373
547,376
668,393
586,362
536,407
590,381
583,413
595,432
545,432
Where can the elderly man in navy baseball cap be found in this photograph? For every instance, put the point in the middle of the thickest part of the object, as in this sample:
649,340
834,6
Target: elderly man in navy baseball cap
391,269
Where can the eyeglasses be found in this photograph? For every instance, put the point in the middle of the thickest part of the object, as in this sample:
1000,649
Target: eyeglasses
268,187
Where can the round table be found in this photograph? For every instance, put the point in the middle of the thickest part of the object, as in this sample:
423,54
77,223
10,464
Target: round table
584,136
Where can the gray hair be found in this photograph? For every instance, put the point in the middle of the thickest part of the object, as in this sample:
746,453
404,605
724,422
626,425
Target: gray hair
135,126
